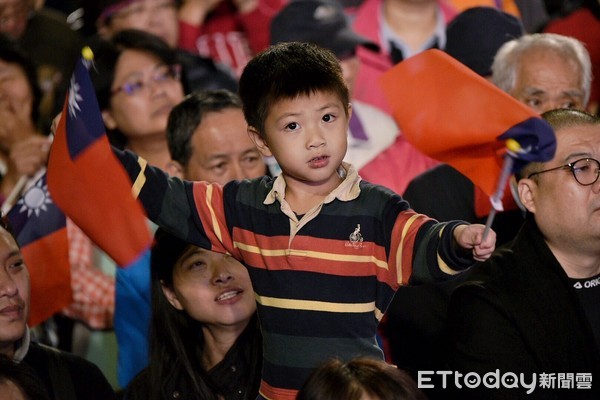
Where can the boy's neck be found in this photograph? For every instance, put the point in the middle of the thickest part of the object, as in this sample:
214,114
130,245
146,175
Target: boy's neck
302,197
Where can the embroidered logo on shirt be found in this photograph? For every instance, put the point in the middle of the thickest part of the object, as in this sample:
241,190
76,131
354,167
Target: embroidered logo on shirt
356,238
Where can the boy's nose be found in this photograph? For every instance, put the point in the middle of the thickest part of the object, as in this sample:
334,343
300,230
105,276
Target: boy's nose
315,139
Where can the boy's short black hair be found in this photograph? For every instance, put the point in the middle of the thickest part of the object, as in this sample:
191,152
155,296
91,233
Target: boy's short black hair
285,71
185,118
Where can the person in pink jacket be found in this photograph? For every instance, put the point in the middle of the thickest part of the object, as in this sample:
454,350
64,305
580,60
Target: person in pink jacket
411,26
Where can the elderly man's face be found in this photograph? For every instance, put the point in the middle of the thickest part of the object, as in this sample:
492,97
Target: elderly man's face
546,81
14,293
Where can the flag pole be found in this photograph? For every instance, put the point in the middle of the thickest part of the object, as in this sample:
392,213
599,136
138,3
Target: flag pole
13,195
496,199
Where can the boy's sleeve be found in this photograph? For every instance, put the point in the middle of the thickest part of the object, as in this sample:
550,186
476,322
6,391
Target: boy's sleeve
168,201
421,249
436,257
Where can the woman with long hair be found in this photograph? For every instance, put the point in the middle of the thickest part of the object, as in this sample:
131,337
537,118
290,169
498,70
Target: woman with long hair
204,337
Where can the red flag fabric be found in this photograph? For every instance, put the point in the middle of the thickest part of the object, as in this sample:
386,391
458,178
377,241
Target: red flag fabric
40,229
455,116
87,181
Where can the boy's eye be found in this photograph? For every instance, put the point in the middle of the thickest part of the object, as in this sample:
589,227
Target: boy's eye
328,117
292,126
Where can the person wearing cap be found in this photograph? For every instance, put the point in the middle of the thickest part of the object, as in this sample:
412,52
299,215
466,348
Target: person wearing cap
375,146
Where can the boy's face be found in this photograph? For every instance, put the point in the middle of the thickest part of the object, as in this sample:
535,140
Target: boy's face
307,135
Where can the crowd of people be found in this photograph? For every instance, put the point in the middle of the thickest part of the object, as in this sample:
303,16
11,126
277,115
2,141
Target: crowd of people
303,247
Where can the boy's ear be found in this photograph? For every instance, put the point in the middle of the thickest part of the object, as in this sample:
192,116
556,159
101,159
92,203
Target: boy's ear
170,296
349,111
109,121
174,168
527,189
259,142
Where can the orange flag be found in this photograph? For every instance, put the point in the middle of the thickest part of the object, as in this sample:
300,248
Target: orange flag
455,116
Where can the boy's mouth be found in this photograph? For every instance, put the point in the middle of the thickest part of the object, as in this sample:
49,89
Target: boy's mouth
318,162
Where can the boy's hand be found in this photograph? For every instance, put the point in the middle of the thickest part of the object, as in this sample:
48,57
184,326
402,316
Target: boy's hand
469,238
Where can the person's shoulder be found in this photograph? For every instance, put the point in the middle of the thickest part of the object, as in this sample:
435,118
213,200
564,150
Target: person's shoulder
440,174
499,273
249,189
87,378
139,386
381,198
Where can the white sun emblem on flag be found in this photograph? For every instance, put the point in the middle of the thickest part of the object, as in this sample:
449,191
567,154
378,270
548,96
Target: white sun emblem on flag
35,199
74,97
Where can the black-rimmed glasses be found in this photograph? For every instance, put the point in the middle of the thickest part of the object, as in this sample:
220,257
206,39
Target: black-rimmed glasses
585,170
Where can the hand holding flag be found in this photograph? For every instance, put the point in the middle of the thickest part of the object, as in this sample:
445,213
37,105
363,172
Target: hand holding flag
455,116
87,181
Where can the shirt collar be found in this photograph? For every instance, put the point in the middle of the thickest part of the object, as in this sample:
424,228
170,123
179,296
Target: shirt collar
348,190
387,36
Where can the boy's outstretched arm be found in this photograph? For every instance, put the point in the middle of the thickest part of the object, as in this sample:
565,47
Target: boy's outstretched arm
469,237
167,201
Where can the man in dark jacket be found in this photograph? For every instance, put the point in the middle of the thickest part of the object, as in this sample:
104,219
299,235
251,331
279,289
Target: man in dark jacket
528,317
65,376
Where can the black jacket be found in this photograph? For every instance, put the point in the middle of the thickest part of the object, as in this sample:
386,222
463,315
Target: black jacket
518,312
67,376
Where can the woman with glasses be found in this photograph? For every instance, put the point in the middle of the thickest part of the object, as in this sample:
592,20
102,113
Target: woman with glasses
138,82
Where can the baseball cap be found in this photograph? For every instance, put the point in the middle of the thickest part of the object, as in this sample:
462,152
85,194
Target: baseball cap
321,22
475,35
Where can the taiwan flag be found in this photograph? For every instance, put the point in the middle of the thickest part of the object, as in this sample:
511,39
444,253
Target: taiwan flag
86,180
457,117
40,229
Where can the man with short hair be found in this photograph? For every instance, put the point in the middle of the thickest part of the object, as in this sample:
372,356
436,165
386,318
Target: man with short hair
532,308
544,71
65,376
208,141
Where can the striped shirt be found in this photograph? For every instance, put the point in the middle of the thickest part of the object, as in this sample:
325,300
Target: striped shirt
323,281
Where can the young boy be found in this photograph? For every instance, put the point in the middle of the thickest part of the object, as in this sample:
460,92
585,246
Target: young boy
325,250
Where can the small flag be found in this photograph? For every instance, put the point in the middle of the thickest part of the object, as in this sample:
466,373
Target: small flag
455,116
41,231
87,181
